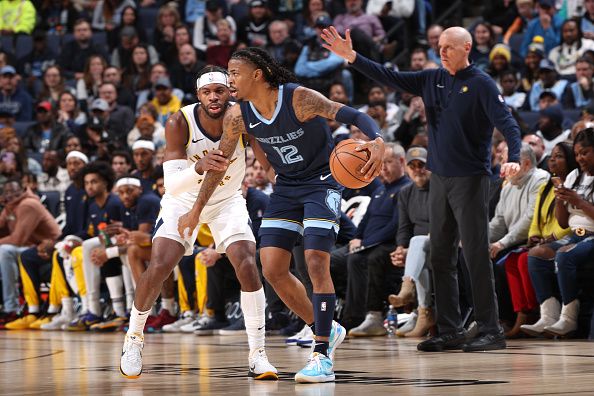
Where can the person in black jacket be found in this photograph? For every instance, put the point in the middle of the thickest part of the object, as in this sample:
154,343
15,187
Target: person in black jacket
462,105
46,134
74,54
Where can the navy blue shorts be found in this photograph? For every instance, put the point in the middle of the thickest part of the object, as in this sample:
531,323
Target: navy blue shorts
311,212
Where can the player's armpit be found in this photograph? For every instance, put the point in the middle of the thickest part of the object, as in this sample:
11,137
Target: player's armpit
176,137
308,103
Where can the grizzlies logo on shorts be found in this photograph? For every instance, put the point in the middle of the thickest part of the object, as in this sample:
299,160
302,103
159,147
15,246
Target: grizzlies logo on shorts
333,201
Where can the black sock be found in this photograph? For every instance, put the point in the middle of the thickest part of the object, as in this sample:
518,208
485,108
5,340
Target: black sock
321,347
313,327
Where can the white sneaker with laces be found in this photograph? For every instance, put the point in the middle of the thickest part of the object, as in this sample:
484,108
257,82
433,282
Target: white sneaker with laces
305,332
131,360
176,326
58,321
260,367
190,327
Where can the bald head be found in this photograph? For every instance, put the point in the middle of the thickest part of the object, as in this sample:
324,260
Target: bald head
454,47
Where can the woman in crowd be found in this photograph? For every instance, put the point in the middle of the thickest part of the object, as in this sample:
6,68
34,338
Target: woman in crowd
137,75
53,85
70,115
87,88
482,44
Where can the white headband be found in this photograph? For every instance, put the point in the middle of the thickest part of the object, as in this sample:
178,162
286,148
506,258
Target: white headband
145,144
128,181
212,78
79,155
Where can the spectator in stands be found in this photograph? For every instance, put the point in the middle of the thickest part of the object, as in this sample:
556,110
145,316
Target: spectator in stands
316,66
587,20
69,115
129,18
113,75
500,14
509,89
433,33
205,28
73,143
367,32
219,54
284,49
167,19
27,223
53,84
182,36
57,17
371,275
573,209
54,177
15,144
548,80
143,152
121,56
531,63
377,93
46,133
87,87
18,17
499,62
377,111
579,94
147,128
414,122
253,30
121,118
509,227
261,180
544,229
121,163
418,59
158,71
537,145
525,13
107,14
572,47
547,25
11,166
338,93
305,27
32,65
137,75
483,42
14,100
183,74
165,103
75,53
550,127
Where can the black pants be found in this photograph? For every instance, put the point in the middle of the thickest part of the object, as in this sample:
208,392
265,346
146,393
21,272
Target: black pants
222,284
459,211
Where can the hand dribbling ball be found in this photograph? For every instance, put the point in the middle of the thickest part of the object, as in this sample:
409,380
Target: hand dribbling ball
346,164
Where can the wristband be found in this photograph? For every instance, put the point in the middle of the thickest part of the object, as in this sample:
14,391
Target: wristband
112,252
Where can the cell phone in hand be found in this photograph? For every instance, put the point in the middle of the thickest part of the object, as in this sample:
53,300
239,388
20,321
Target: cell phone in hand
557,182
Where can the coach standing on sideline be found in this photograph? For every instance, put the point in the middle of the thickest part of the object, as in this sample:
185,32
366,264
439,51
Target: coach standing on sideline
463,105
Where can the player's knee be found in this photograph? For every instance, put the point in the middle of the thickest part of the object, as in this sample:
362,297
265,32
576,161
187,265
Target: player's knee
246,269
158,269
274,274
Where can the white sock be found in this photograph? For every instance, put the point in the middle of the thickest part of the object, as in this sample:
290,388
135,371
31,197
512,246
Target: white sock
84,302
95,306
253,305
53,309
128,286
115,284
168,304
33,309
68,306
137,321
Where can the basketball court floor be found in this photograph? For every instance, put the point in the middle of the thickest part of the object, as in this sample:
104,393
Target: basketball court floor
45,363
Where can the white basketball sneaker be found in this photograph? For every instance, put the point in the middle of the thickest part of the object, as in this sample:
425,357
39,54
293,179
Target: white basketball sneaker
260,367
58,321
131,360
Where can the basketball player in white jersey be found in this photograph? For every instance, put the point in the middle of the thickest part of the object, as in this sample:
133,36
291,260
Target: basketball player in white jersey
192,135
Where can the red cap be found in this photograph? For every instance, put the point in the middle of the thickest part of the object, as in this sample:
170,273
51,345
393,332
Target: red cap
45,105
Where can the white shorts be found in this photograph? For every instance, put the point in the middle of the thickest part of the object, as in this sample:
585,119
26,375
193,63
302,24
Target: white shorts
228,221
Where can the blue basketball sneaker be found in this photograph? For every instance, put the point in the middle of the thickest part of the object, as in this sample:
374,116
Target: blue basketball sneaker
337,335
319,368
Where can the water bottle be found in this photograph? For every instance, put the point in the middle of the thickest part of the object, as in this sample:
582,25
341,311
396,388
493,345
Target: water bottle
106,239
391,322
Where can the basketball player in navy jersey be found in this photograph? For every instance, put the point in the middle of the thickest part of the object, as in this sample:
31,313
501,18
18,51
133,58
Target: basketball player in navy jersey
286,126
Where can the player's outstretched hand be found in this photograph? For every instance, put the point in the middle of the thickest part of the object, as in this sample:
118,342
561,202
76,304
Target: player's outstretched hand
373,167
187,224
342,47
213,160
509,169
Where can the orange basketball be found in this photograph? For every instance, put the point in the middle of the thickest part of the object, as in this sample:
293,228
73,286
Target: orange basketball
346,164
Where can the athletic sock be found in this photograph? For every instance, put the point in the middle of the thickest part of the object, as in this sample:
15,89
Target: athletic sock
323,307
253,305
168,304
67,306
115,285
137,321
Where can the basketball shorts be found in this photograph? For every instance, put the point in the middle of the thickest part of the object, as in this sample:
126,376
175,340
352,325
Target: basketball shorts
228,221
309,211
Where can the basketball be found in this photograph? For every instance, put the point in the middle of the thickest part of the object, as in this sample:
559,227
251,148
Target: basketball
346,164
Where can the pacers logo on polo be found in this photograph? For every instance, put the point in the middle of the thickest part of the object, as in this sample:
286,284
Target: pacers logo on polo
323,306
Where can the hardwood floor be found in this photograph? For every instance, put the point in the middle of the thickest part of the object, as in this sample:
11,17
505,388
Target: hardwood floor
59,363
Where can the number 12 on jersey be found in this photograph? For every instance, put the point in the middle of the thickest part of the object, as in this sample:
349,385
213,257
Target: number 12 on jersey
289,154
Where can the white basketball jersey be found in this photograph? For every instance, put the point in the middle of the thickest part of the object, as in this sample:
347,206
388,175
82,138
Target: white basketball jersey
199,143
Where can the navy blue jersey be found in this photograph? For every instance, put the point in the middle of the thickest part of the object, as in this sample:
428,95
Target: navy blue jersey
298,151
146,211
111,211
148,183
76,204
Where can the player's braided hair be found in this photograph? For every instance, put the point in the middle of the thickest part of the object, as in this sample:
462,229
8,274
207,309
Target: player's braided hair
273,72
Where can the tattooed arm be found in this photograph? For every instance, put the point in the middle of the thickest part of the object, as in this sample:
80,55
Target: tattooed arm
308,104
233,127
